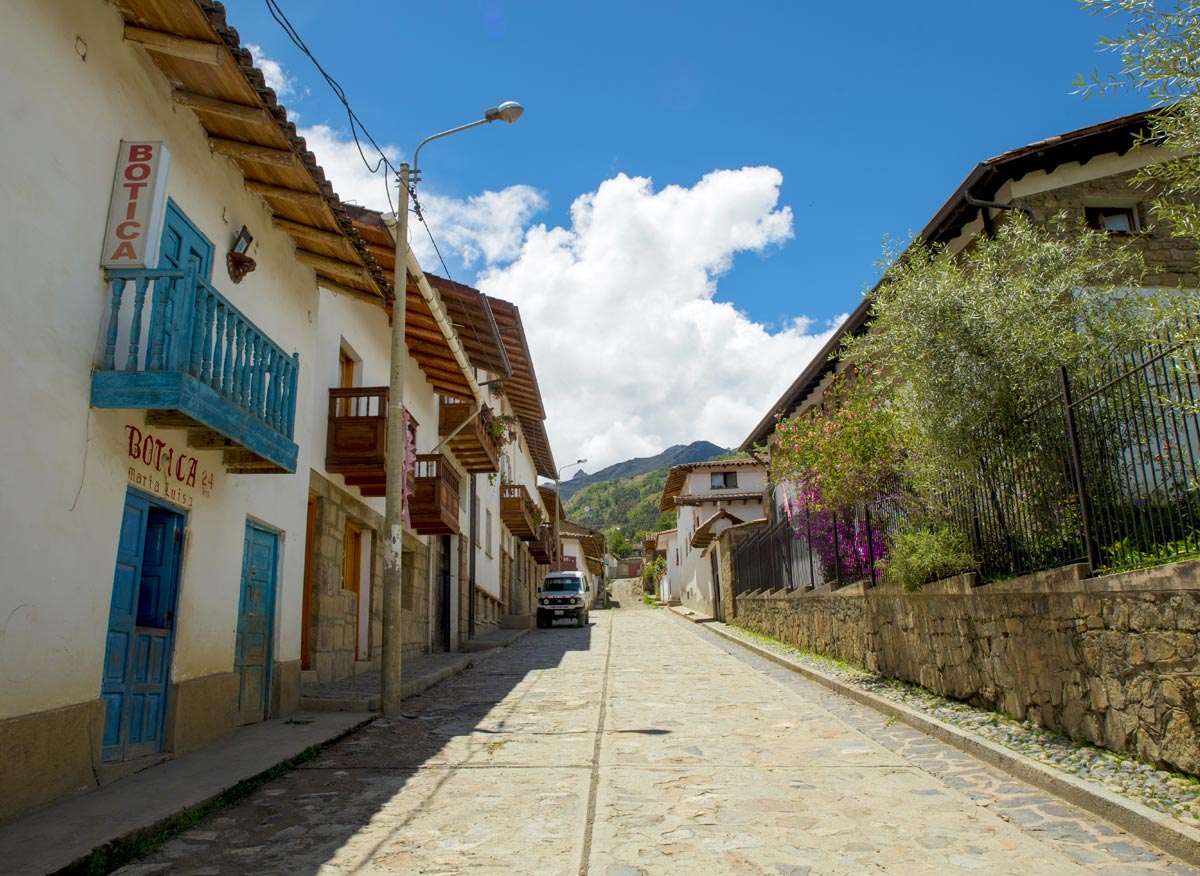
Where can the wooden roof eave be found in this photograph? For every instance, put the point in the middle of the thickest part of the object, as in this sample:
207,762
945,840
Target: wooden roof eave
215,78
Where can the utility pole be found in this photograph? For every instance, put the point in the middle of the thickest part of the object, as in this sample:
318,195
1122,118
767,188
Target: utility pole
393,522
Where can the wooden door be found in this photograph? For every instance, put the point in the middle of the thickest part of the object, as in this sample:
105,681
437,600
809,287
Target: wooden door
256,615
352,571
137,655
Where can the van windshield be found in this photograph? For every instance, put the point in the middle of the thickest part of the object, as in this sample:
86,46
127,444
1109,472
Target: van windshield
573,584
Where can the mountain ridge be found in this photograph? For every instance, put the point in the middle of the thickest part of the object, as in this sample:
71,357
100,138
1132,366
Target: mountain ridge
676,454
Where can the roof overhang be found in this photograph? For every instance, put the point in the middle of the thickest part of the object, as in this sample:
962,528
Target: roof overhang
214,77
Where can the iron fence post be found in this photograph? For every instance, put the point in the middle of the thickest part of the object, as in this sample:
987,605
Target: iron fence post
1093,551
870,542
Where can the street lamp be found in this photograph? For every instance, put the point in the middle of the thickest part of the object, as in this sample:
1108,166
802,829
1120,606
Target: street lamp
558,513
393,534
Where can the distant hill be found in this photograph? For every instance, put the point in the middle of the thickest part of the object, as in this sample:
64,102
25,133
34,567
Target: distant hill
626,495
697,451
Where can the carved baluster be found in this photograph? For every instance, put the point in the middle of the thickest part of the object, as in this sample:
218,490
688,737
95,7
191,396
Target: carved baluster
158,318
110,344
218,367
239,368
206,349
248,370
260,377
272,385
195,359
231,325
135,327
292,380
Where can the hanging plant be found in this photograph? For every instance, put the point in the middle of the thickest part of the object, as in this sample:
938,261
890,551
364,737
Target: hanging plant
500,427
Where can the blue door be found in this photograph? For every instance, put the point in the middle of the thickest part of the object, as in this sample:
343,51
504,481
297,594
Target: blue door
256,615
141,621
183,246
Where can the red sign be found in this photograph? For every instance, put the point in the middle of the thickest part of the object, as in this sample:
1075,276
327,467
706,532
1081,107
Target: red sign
135,211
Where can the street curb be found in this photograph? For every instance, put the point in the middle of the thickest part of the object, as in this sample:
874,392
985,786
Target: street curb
690,616
1158,828
120,850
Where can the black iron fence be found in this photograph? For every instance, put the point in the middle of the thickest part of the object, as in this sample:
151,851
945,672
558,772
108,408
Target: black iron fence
1106,471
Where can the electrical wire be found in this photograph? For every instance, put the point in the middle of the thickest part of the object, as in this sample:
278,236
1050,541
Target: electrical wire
357,125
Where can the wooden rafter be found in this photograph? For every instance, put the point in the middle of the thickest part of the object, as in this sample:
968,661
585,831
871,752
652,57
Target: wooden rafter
252,114
303,199
178,46
253,152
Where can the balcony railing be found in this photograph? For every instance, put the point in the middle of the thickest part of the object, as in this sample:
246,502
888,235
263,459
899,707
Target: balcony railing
518,511
434,506
198,363
356,441
472,446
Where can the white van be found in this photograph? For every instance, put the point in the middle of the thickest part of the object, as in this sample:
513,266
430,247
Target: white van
564,595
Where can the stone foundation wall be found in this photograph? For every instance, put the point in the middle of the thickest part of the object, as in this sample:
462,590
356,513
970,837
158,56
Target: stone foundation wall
414,598
1112,660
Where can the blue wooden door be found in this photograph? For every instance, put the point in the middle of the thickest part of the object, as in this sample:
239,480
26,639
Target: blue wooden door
184,247
137,656
256,613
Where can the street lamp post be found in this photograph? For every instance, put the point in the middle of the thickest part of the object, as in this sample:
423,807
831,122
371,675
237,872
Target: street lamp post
558,513
389,692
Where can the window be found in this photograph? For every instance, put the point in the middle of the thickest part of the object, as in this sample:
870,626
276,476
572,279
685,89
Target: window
723,480
1114,220
487,534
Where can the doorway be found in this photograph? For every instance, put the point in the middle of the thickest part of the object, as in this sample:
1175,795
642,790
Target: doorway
256,622
141,625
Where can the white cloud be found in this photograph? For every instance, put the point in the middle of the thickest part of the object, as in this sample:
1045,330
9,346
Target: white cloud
273,72
632,352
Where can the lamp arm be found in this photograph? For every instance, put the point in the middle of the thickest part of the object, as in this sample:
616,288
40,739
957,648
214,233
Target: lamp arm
417,151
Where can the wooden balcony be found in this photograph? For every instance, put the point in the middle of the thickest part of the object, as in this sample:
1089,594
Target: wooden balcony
434,506
518,512
542,546
178,349
471,445
356,443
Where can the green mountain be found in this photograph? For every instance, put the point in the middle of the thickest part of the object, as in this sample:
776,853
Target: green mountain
697,451
625,496
628,503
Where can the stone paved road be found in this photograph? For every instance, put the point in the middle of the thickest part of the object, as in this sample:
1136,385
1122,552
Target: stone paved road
644,745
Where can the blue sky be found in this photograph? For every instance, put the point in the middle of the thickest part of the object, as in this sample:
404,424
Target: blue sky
869,114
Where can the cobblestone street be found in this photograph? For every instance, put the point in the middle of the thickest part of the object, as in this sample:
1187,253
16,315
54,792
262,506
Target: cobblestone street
646,745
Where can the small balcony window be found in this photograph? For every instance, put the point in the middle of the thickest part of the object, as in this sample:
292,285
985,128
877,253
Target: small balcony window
723,480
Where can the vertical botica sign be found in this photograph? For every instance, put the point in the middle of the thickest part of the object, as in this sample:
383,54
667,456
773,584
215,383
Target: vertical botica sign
135,212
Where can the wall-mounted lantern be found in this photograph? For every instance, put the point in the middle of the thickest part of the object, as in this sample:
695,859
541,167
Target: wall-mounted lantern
236,261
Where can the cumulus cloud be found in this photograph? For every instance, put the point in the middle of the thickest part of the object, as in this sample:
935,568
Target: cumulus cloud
632,352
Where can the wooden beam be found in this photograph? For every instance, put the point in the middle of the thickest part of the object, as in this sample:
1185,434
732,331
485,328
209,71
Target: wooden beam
252,114
344,270
175,45
340,289
308,232
253,152
279,193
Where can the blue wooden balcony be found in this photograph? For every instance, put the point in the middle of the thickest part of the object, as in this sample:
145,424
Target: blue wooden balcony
200,365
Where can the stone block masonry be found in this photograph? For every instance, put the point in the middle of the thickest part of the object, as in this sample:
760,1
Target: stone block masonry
1111,660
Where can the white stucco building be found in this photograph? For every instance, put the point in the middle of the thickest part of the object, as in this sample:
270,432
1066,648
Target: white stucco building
708,497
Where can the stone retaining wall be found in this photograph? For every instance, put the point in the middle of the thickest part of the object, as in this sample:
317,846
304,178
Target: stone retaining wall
1112,660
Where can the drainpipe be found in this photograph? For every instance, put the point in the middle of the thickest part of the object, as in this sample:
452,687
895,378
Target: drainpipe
995,205
471,562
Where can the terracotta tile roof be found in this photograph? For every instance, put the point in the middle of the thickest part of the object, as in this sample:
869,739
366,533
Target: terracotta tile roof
704,532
